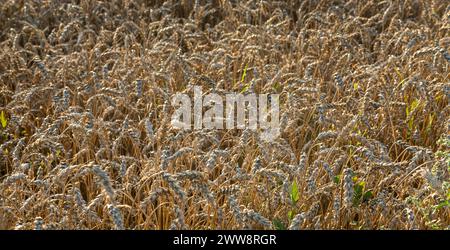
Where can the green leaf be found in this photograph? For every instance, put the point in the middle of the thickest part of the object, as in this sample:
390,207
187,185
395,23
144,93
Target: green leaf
411,124
414,105
277,87
397,71
3,120
337,179
245,88
367,195
244,74
278,224
430,122
295,196
291,215
442,205
402,82
358,192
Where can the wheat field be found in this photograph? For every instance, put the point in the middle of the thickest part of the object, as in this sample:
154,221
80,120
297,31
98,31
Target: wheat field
86,140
